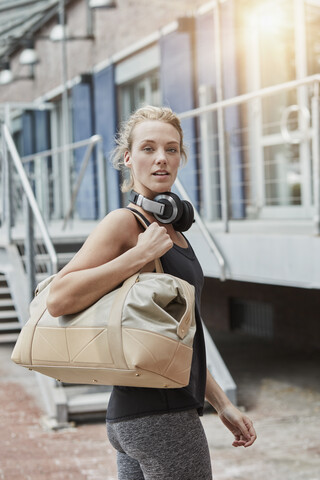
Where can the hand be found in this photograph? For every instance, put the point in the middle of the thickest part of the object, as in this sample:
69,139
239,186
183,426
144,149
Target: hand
240,425
155,241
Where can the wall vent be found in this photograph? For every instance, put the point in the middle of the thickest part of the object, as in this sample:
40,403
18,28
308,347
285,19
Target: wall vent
252,317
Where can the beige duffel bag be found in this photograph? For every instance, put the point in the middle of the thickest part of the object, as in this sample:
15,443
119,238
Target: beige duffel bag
139,335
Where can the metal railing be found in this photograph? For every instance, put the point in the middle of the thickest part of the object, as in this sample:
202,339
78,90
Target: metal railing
205,233
49,177
270,163
55,184
20,203
32,211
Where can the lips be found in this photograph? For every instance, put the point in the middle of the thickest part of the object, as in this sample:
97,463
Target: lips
160,173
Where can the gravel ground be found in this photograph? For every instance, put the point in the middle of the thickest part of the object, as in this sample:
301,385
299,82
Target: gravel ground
279,388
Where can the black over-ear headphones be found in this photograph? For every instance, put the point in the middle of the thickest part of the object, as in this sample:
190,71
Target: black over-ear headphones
166,207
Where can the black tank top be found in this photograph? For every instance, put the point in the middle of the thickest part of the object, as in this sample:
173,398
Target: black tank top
132,402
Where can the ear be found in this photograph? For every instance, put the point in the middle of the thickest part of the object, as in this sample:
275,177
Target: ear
127,159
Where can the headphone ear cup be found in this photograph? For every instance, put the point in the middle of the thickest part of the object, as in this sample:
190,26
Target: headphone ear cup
173,210
186,220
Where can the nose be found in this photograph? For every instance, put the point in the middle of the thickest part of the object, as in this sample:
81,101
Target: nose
161,158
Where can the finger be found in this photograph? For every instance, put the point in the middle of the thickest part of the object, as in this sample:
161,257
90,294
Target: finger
252,439
247,436
246,428
239,443
251,431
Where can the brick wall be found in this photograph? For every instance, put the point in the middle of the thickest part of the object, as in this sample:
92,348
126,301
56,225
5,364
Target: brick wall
114,29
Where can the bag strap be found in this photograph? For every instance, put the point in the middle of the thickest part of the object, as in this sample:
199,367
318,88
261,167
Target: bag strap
142,221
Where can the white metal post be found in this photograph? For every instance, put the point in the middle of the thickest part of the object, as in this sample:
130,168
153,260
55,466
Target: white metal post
102,192
65,112
316,155
29,248
209,157
6,207
303,101
7,173
220,113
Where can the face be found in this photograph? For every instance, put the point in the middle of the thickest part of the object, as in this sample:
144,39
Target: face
154,158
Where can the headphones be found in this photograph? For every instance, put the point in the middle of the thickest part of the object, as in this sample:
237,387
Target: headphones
166,207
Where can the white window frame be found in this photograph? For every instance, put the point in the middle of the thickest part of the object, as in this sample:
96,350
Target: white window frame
258,141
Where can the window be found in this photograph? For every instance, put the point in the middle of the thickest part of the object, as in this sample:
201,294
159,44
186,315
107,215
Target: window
139,92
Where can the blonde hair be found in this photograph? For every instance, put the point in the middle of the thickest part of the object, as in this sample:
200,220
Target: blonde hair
124,137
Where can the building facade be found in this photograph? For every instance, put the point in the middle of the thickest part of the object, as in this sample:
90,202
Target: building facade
254,178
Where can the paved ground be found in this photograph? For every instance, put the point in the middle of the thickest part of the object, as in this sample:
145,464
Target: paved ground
280,389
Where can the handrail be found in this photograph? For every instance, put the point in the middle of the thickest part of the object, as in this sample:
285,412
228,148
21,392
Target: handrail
205,232
263,92
64,148
30,197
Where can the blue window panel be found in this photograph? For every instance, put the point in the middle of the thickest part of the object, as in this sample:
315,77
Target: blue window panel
42,130
35,138
83,129
28,141
105,112
177,88
205,46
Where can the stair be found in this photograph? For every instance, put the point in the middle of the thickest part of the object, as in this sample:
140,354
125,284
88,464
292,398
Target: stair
83,402
9,321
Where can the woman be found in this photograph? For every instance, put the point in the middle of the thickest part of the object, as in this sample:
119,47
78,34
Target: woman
157,432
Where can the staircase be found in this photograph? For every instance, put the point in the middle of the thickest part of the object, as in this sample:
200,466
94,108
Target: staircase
64,402
9,321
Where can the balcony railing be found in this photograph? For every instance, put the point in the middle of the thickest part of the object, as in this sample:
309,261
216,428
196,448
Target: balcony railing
263,162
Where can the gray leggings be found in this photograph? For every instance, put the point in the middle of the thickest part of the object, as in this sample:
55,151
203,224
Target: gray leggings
170,446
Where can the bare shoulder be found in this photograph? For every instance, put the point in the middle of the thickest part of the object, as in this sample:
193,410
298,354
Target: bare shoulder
116,233
121,225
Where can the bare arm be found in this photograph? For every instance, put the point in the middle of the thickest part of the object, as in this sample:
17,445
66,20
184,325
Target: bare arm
114,251
239,424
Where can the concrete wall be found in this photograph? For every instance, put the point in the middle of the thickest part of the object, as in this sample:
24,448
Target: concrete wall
296,310
273,258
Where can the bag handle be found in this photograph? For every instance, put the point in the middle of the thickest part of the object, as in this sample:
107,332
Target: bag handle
157,261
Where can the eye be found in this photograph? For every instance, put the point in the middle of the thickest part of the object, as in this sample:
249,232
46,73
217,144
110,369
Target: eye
148,149
172,150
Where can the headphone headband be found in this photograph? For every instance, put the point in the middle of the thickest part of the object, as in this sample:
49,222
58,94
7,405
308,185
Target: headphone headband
146,203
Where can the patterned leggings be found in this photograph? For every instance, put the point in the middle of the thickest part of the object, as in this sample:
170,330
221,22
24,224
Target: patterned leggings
170,446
